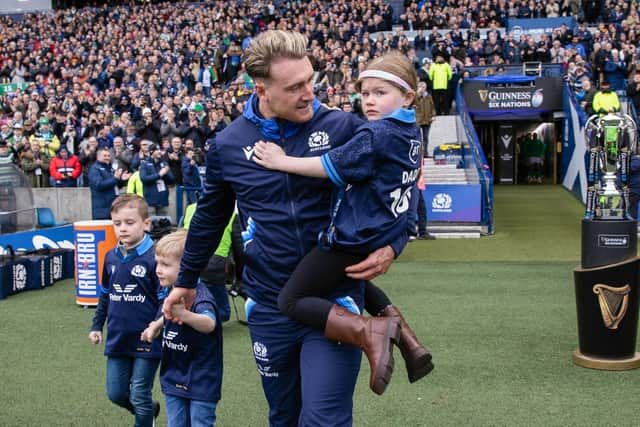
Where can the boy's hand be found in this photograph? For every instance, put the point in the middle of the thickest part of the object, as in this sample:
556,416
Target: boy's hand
95,337
268,155
184,296
151,333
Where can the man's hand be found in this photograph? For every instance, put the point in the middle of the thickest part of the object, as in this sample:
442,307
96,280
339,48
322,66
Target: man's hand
95,337
178,296
377,263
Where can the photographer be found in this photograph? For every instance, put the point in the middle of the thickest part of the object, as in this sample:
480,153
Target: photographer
148,127
69,138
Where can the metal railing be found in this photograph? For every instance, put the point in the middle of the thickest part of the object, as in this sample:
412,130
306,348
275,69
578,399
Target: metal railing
472,150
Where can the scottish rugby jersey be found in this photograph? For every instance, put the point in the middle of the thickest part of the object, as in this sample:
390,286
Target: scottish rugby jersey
130,300
192,361
376,172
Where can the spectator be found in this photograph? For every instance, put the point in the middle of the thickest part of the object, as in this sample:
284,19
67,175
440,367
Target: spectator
197,129
440,75
633,90
87,156
65,168
121,155
615,70
156,176
585,96
141,155
7,156
35,165
190,175
48,142
148,127
104,184
175,154
605,100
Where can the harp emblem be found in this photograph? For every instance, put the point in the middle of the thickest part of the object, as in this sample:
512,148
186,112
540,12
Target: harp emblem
613,303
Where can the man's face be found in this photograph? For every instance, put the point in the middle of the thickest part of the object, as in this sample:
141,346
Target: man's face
104,156
288,93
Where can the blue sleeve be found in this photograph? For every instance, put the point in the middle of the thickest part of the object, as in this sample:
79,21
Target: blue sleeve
169,178
352,162
135,162
100,315
100,181
208,223
148,173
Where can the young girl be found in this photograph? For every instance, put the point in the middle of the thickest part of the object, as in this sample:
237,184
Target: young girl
375,173
191,369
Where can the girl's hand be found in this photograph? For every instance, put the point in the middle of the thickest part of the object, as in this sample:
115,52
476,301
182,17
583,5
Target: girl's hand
268,155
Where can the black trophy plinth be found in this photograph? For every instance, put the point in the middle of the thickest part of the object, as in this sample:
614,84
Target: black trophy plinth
607,296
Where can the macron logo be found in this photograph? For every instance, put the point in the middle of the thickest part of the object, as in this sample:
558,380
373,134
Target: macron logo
248,151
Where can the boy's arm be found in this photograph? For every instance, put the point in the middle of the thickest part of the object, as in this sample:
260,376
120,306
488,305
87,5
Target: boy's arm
99,317
202,322
271,156
153,330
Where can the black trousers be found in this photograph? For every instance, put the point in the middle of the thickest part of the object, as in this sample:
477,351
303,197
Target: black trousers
441,101
318,274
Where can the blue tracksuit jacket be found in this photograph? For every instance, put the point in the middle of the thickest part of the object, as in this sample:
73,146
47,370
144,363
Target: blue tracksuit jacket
282,213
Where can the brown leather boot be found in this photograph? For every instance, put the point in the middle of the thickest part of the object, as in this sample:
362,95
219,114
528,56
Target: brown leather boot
375,335
417,358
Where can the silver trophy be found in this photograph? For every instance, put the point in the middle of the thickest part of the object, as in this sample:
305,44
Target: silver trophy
612,141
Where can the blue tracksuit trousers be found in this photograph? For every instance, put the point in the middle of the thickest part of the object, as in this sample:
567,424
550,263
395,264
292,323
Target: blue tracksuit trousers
307,379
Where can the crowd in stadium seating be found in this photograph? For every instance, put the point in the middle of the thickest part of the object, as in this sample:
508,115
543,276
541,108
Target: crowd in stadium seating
172,73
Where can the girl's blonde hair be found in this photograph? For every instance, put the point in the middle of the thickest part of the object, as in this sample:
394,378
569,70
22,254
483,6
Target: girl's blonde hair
397,64
172,245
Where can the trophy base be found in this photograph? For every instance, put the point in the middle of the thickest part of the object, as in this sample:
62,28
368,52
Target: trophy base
606,364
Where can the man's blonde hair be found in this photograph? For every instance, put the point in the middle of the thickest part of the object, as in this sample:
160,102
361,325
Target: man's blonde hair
270,45
172,245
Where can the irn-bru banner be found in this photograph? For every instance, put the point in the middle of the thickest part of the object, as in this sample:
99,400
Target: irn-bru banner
453,203
93,240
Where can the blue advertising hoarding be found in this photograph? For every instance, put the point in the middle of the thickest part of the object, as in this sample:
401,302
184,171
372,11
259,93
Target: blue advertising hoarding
452,203
54,238
538,26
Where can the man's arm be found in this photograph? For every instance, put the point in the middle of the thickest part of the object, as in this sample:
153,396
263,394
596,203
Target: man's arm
205,231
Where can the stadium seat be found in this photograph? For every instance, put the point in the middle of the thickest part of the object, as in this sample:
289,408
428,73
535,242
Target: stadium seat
46,218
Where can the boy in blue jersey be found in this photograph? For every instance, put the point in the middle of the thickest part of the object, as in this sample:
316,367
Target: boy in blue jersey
128,301
375,172
191,369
